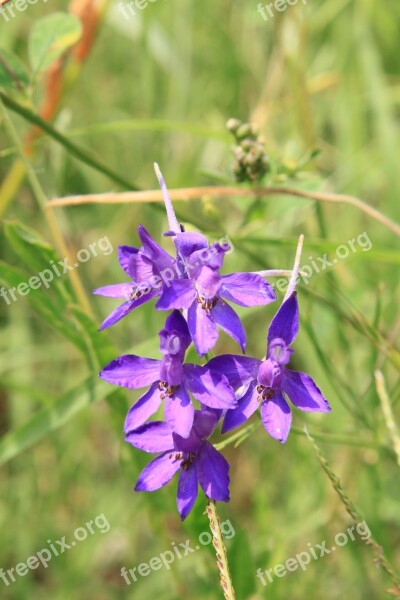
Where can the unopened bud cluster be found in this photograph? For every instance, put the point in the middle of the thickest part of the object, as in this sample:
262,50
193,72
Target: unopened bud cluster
251,161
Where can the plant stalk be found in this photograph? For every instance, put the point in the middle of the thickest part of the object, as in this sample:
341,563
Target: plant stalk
220,550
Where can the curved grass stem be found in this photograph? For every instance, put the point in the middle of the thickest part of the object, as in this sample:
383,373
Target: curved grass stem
380,558
226,192
388,413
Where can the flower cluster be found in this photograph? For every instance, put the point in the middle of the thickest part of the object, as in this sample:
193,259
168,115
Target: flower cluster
228,387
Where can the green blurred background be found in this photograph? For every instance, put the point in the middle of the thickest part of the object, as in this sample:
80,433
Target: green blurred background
160,86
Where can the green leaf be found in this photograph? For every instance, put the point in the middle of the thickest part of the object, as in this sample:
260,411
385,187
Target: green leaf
50,37
52,417
39,257
12,71
55,303
42,302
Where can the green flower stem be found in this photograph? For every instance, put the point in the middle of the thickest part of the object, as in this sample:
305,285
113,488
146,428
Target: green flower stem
240,436
220,550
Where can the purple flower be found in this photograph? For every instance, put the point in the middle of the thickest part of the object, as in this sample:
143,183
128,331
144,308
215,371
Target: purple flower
150,267
204,294
191,281
267,381
170,380
197,461
193,252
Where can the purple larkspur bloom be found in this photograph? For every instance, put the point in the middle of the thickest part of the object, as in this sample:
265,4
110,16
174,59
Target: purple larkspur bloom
191,281
268,381
204,293
171,380
197,461
149,267
152,269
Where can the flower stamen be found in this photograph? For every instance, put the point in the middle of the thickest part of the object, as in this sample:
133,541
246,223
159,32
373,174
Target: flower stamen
166,390
207,303
265,393
185,464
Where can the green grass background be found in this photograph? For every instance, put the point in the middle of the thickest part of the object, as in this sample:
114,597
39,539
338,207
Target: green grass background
322,75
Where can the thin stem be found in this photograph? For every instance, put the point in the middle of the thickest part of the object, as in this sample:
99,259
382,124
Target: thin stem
220,550
43,204
80,153
239,436
293,278
8,68
388,413
277,273
226,192
172,220
380,558
341,439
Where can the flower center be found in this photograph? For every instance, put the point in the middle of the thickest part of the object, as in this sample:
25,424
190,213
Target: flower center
166,390
189,458
186,458
265,393
207,303
269,375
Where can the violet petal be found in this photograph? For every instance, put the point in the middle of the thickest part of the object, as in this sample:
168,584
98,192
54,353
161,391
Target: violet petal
247,405
144,408
187,491
213,473
179,412
247,289
131,371
303,392
157,473
277,416
152,437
